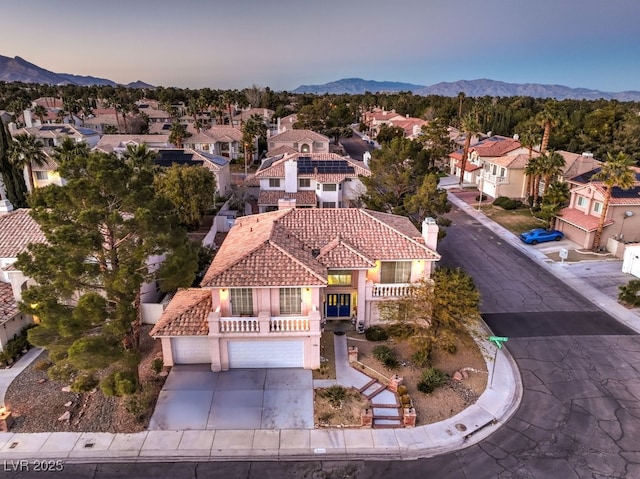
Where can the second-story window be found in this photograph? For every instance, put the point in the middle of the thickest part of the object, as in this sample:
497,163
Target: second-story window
597,207
395,272
290,301
582,201
329,187
241,301
274,182
304,182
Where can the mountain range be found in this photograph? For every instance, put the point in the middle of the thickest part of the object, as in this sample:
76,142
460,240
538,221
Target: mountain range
19,70
472,88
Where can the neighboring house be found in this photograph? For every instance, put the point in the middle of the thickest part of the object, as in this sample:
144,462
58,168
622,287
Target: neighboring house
53,135
412,127
279,275
377,117
102,119
286,123
310,180
580,219
302,141
118,143
240,117
480,157
17,230
218,165
221,140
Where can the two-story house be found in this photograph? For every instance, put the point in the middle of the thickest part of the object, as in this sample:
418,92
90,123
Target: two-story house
310,180
579,221
118,143
218,165
220,140
279,275
301,141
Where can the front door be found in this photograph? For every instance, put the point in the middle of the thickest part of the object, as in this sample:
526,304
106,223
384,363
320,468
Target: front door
338,305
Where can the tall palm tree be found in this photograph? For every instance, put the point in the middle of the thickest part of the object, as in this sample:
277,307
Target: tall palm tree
69,149
40,112
178,133
253,128
616,172
529,139
140,156
26,151
469,126
550,166
533,171
548,118
555,197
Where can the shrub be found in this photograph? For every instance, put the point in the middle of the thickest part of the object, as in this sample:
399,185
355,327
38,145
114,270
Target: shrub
119,383
61,371
335,394
42,365
386,356
484,197
507,203
83,383
422,358
140,405
431,380
156,365
629,293
376,333
402,390
405,400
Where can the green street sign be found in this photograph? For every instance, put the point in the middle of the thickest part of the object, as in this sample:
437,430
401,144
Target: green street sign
498,340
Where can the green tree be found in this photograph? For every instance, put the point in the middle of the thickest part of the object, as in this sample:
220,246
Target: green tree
253,129
428,200
140,156
190,189
436,141
388,133
40,112
12,176
555,197
101,228
548,119
178,133
436,311
550,165
470,127
616,172
26,151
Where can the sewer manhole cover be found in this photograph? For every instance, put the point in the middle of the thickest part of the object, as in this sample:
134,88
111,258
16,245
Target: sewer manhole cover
461,427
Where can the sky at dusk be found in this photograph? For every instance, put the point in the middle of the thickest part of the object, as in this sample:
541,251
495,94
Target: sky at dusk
282,44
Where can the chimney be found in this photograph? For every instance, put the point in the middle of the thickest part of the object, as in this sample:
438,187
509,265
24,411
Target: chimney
366,158
5,204
430,233
291,176
28,120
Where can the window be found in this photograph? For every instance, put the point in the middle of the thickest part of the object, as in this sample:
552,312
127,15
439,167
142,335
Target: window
494,169
502,172
317,144
582,201
274,182
395,272
241,301
295,145
41,175
304,182
330,187
328,204
597,207
290,301
339,278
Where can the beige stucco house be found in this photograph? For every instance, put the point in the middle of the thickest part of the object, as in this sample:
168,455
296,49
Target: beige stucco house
279,275
301,141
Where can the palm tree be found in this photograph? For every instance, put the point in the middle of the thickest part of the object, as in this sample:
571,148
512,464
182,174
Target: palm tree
253,128
550,164
178,132
69,149
140,156
616,172
533,171
548,119
40,112
469,126
26,151
529,139
555,197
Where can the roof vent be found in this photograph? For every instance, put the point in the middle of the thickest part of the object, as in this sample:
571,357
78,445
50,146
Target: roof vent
315,252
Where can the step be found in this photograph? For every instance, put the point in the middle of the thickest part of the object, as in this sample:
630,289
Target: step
387,423
385,398
386,413
369,384
374,390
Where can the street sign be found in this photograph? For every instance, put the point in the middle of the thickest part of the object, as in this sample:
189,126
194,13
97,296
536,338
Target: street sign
498,340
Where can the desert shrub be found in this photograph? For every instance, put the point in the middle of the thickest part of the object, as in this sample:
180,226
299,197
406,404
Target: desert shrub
443,221
507,203
140,405
405,400
629,293
484,197
449,347
119,383
402,390
42,365
156,365
335,394
386,356
421,358
431,380
376,333
401,329
83,383
61,371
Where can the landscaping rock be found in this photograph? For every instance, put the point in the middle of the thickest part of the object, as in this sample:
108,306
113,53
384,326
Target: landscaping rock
66,389
457,376
68,403
65,417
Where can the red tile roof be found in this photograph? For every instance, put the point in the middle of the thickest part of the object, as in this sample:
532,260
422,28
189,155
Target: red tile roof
271,197
186,314
8,305
580,220
17,230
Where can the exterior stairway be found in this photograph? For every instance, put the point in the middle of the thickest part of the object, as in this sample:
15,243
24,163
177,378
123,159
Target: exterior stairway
384,403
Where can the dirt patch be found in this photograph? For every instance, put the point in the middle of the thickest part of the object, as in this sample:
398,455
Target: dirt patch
444,402
344,413
327,369
37,403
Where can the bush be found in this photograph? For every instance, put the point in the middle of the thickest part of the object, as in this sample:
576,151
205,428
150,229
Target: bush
431,380
405,400
386,356
507,203
335,394
484,197
119,383
156,365
421,358
629,293
83,383
402,390
61,371
376,333
140,405
42,365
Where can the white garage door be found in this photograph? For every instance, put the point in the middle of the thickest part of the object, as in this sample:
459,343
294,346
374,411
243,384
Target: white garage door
266,354
191,350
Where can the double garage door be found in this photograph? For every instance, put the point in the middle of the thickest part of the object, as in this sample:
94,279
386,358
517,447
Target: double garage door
242,354
266,354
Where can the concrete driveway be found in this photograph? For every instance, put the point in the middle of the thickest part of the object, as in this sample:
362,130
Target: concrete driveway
194,397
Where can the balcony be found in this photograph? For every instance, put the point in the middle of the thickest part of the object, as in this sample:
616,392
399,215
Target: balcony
396,290
262,325
495,179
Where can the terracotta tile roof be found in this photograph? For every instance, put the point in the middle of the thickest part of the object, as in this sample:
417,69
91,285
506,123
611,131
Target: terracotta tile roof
514,161
281,150
8,305
298,135
186,314
495,146
246,114
581,220
121,141
303,198
49,165
276,169
339,254
224,133
17,230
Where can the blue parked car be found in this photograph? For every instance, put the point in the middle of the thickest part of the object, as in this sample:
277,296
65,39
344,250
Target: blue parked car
540,235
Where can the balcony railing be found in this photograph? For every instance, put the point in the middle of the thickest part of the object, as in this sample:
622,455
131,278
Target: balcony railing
239,325
495,179
279,324
397,290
